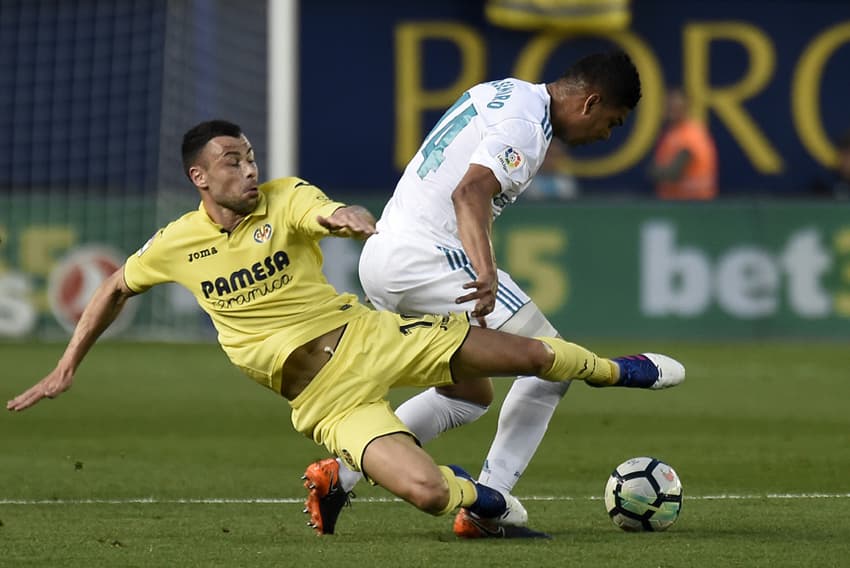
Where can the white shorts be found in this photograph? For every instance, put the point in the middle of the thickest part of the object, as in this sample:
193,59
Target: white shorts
420,277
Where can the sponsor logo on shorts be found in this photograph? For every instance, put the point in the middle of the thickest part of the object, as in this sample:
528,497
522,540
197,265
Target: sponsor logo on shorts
349,461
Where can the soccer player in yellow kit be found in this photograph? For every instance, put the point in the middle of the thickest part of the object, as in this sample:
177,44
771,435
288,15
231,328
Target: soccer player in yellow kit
250,256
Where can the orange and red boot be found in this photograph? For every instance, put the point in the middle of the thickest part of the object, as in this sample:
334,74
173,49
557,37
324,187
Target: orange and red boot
325,495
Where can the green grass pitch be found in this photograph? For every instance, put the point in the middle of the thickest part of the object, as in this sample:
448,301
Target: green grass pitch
759,433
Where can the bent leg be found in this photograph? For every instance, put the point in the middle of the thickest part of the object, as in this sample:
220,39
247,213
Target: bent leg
404,469
492,353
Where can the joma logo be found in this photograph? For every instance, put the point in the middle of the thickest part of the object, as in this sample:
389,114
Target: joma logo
202,253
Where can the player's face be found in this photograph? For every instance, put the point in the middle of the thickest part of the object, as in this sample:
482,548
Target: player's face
593,122
230,173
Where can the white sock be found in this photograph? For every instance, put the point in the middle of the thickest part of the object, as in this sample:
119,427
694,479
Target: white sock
428,414
523,421
348,478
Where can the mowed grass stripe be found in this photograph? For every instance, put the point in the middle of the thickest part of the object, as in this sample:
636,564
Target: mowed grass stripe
289,501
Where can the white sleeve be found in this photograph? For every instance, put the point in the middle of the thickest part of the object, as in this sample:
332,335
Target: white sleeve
513,149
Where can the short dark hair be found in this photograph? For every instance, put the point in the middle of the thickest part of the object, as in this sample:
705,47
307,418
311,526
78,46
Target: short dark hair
197,137
613,73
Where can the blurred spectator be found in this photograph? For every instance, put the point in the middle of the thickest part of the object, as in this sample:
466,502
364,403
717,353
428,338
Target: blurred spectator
684,165
837,183
553,181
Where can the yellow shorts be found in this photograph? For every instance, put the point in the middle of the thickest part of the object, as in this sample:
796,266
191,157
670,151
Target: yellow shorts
344,406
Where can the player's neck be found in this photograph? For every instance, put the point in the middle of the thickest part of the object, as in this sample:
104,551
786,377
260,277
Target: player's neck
557,106
227,218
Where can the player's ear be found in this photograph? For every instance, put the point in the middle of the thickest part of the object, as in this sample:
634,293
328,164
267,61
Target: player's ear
198,176
593,100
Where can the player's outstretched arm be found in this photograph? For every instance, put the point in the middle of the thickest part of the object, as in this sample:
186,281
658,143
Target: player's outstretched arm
101,311
351,221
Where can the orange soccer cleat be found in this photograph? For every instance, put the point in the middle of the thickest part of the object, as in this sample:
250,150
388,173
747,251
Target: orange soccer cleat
469,525
326,497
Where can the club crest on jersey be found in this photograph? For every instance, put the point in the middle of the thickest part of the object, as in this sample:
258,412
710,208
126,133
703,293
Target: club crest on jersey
510,159
263,234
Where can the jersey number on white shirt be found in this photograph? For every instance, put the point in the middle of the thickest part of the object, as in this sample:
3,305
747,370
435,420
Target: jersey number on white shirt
442,135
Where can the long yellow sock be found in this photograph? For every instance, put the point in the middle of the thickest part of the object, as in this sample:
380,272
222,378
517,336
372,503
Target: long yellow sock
462,491
575,362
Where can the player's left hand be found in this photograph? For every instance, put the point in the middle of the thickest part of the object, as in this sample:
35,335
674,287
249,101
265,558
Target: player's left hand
352,221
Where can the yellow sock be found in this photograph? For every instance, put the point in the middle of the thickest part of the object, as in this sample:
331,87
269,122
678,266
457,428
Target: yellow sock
462,491
575,362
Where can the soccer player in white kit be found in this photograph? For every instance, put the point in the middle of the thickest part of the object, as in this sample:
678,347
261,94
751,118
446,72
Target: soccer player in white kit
433,252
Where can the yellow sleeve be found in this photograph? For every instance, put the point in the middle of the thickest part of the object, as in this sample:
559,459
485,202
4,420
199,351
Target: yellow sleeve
145,268
306,203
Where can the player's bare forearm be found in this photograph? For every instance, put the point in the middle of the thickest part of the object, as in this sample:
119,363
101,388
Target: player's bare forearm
472,200
473,209
101,311
474,220
104,306
351,221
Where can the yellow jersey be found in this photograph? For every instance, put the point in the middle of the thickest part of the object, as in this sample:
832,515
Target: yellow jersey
262,284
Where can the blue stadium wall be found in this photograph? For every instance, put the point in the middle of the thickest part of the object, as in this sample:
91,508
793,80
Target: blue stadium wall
772,77
95,93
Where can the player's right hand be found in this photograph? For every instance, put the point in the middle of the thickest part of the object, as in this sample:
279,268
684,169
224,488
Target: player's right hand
484,295
50,386
352,221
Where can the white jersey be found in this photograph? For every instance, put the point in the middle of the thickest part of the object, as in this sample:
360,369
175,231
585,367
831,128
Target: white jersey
502,125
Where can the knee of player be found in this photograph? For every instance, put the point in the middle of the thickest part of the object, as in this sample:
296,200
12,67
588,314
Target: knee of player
429,495
476,391
484,396
541,358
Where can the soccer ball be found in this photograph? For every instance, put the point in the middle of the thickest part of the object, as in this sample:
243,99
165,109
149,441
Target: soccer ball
643,494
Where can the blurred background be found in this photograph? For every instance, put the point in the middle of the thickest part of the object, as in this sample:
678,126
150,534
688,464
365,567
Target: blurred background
95,96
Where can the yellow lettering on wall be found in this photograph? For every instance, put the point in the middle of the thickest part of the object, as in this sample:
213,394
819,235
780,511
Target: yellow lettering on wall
648,114
727,102
805,93
411,96
530,255
40,248
842,248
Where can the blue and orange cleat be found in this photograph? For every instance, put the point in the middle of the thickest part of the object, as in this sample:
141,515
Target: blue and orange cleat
493,515
648,371
469,525
325,495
